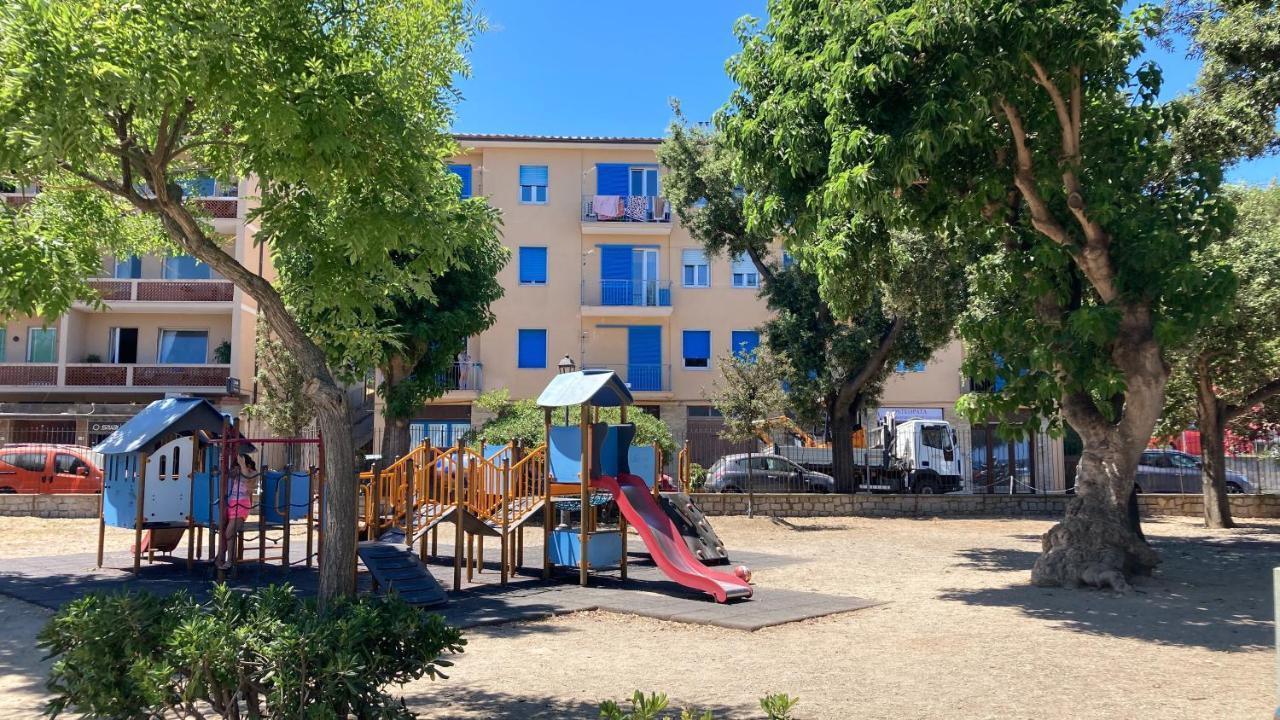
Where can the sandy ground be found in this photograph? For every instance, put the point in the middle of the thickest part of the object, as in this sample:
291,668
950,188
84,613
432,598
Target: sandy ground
961,635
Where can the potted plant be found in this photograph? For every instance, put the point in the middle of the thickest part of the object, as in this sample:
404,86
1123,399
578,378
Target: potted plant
93,358
222,353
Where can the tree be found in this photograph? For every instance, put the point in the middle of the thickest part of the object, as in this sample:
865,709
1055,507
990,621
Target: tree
1231,367
1020,129
749,394
837,356
338,110
282,404
422,334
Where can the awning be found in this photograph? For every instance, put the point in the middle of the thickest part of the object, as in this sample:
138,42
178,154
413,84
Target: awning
600,388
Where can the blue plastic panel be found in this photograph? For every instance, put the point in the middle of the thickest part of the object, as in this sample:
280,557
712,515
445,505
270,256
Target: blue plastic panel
120,490
643,460
274,497
604,549
566,453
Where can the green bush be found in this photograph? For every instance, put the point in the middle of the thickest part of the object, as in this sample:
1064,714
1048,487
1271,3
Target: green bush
264,654
649,707
697,476
522,420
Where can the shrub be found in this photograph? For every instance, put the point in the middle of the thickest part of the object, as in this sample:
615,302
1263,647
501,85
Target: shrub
649,707
697,476
264,654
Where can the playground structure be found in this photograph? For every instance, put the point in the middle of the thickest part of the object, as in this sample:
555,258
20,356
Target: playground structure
165,477
498,492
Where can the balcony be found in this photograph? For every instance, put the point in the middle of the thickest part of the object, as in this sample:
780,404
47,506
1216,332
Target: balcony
181,291
638,378
220,208
465,377
107,376
629,298
625,214
28,374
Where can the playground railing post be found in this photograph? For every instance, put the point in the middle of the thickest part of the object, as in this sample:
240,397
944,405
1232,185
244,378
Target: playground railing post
584,492
311,495
102,518
506,517
459,507
410,510
546,500
288,511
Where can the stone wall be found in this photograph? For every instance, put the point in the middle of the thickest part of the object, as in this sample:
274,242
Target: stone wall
50,506
1000,506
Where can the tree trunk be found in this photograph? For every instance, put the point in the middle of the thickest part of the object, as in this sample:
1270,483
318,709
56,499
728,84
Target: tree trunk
395,438
338,539
842,466
1212,421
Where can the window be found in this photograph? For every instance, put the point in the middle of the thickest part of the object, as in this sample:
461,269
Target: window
531,349
67,464
744,273
183,347
697,348
644,181
122,345
703,411
42,345
903,367
33,461
185,267
1182,461
744,342
1148,458
934,436
533,184
788,261
533,266
129,268
697,271
464,173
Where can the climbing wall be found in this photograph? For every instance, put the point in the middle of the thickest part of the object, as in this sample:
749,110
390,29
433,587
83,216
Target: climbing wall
697,531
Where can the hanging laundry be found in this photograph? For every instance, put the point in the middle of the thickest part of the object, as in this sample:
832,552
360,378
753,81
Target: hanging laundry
607,207
638,207
659,209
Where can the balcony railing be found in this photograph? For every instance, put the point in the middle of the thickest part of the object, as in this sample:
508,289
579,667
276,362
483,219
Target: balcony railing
638,377
625,208
148,376
164,290
28,374
627,293
220,207
463,376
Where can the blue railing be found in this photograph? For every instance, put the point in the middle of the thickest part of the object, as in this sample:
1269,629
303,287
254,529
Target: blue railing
463,376
627,293
638,377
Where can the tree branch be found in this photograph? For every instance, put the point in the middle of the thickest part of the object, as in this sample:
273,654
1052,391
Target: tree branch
853,383
1258,396
766,272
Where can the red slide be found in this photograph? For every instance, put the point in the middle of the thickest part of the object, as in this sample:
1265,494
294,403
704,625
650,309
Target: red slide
664,541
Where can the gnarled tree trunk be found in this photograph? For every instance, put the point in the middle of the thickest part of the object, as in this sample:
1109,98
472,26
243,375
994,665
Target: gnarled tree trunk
1096,543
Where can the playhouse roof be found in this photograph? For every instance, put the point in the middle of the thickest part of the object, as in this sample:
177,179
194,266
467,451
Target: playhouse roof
601,388
149,429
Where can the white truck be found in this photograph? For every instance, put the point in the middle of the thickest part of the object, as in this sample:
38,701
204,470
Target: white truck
915,456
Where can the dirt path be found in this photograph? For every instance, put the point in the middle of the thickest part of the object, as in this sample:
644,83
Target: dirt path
961,635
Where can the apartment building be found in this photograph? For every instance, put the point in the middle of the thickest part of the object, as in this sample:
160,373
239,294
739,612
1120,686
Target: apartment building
168,325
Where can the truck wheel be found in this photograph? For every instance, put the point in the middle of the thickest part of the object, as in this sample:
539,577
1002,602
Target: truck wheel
1234,489
8,491
732,489
926,487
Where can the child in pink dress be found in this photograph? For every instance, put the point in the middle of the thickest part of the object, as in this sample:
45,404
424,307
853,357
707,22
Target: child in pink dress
239,502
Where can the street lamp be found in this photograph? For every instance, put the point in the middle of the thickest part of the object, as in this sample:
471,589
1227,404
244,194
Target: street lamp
566,365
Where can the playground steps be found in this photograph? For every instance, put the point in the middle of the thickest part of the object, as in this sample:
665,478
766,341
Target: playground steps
395,567
492,526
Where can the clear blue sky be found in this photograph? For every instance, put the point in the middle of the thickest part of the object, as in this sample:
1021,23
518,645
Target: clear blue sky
580,67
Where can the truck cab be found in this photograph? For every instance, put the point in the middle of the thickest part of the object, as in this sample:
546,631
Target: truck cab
926,453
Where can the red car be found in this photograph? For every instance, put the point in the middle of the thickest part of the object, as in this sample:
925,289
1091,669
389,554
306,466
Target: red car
50,469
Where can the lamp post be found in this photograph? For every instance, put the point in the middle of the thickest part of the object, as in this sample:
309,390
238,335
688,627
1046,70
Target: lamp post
566,365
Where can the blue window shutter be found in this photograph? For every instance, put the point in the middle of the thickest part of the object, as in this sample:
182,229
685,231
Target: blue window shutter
463,172
533,265
744,342
615,274
644,357
531,348
697,343
533,175
612,178
652,177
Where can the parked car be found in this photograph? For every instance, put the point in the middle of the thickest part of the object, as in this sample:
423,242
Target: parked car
769,473
1171,471
50,469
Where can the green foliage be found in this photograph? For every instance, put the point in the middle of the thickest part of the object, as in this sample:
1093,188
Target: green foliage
650,707
1240,348
855,121
827,322
142,655
222,353
697,476
749,393
283,403
522,420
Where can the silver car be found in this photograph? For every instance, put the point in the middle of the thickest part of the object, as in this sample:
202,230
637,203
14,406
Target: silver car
1171,471
769,473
